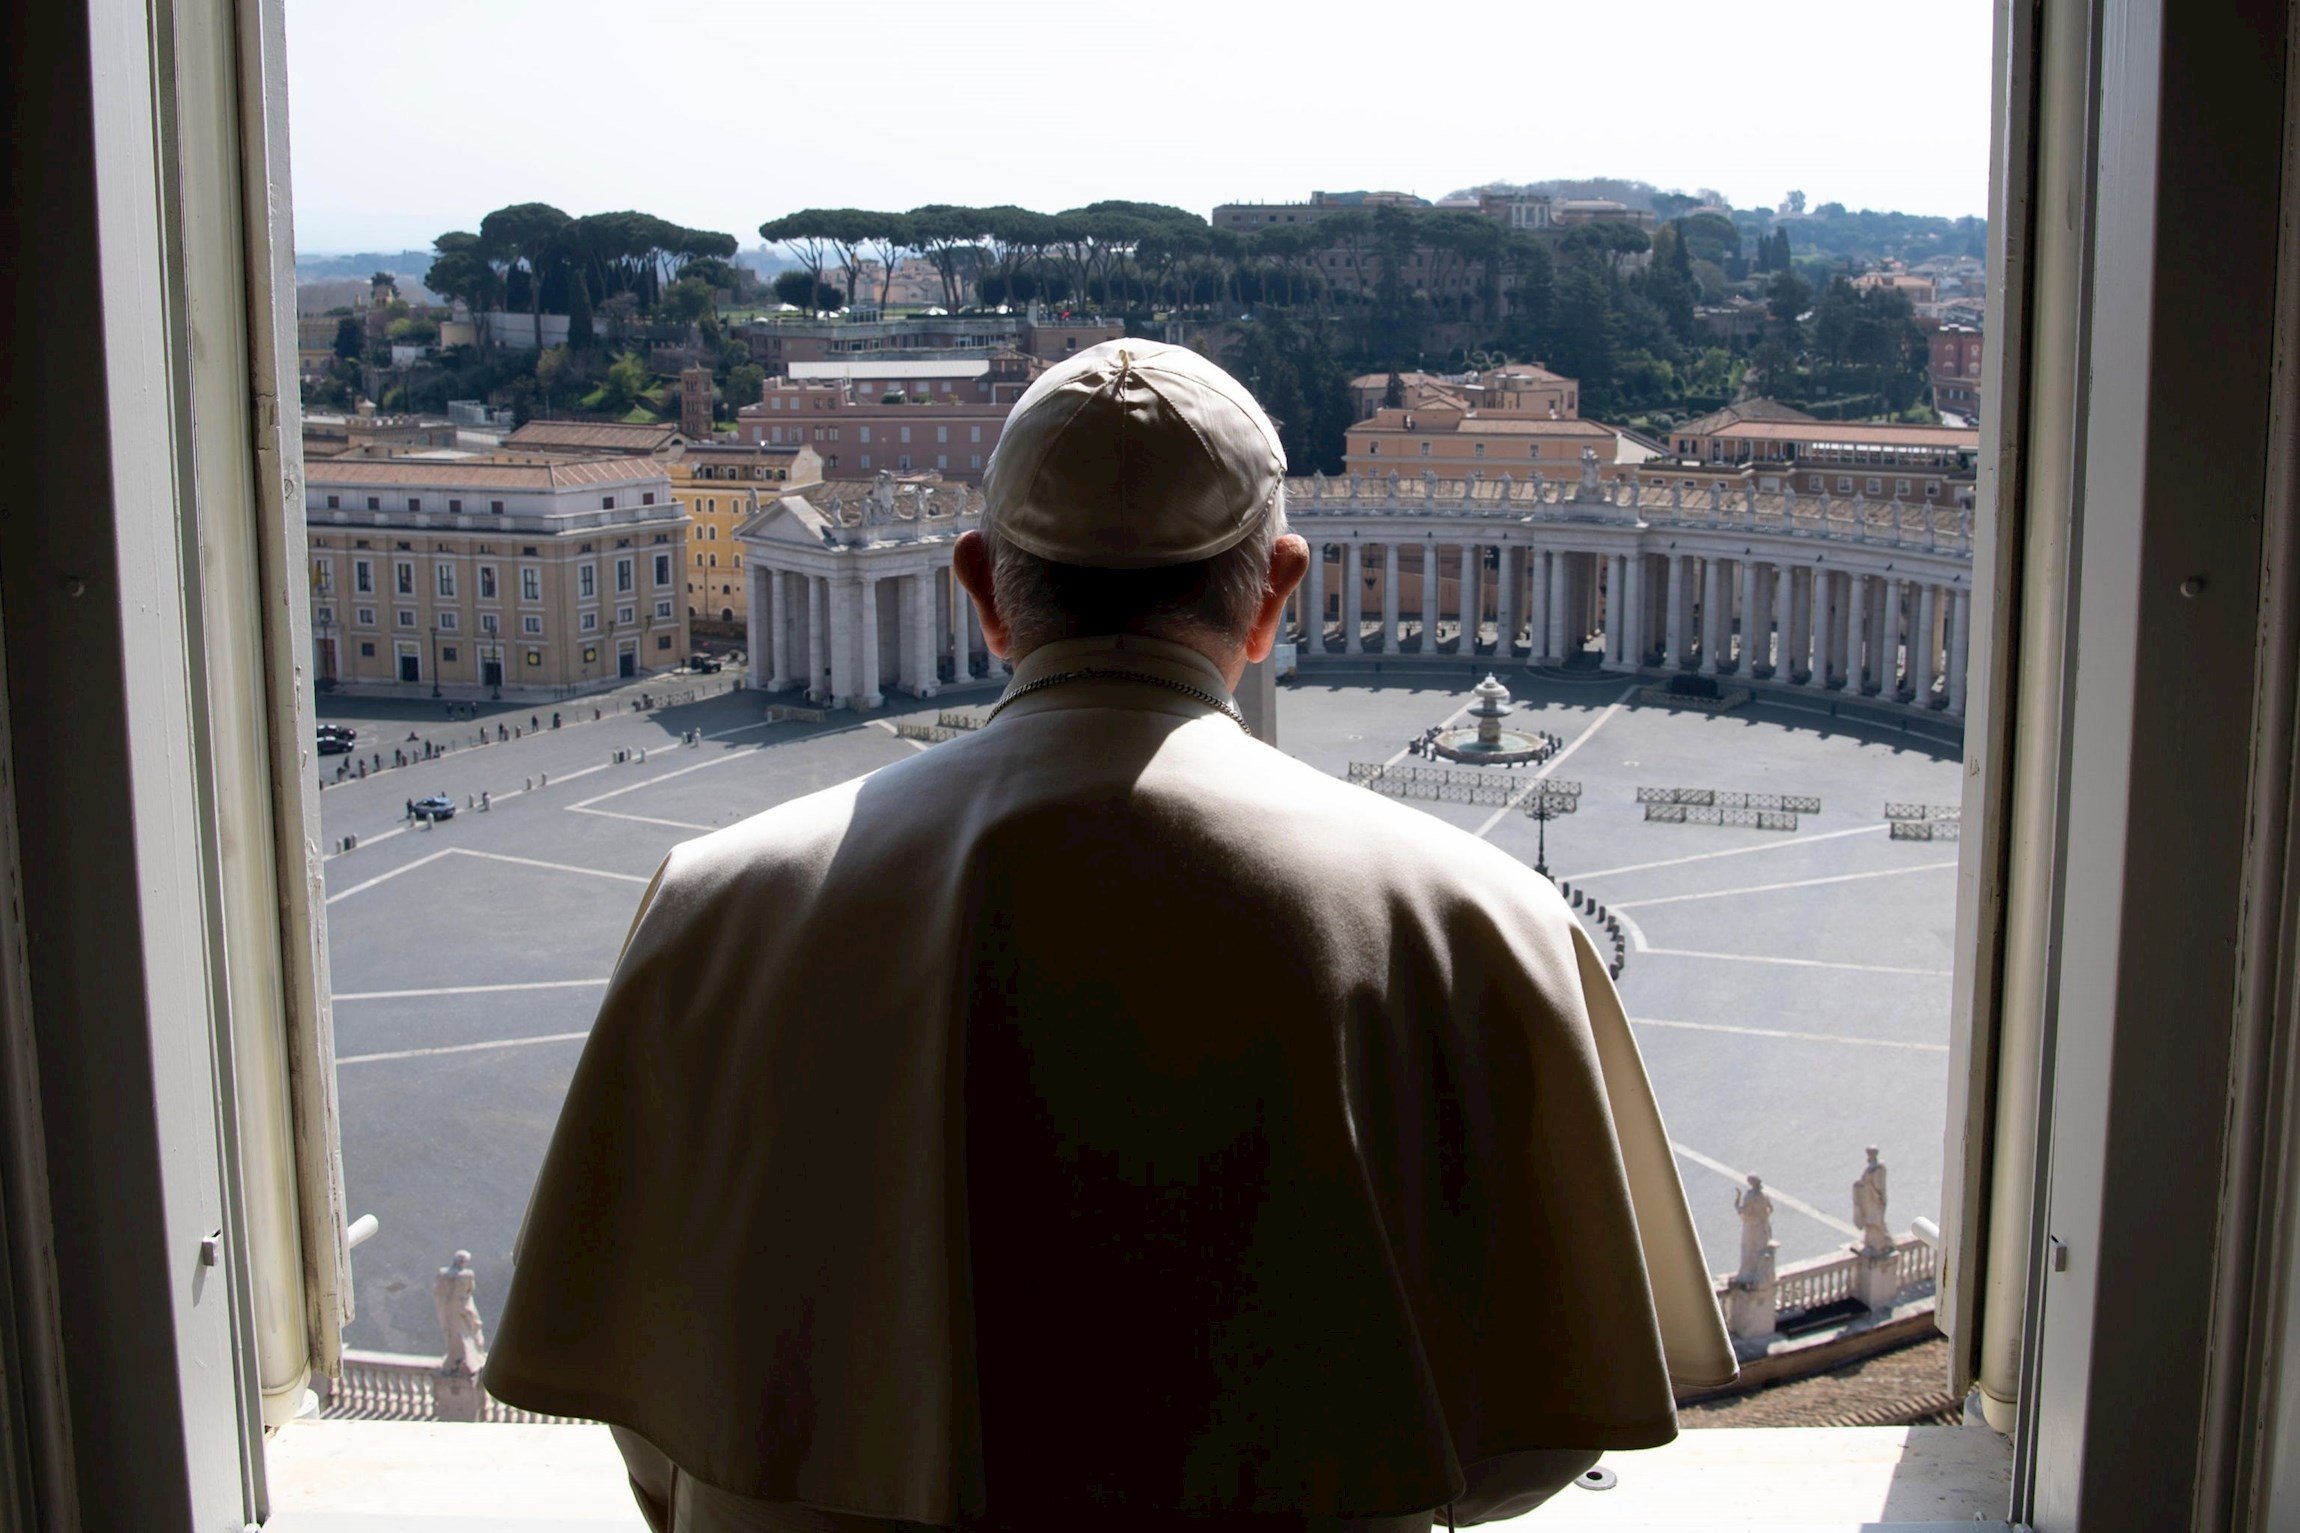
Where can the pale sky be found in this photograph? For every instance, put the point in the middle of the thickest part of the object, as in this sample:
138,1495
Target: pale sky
420,116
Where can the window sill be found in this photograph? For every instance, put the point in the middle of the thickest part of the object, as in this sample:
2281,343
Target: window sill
368,1476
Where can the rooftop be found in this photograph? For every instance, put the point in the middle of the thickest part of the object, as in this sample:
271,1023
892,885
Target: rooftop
593,436
890,367
479,474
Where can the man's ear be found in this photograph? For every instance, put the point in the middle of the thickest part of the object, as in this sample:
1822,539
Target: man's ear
1289,562
970,562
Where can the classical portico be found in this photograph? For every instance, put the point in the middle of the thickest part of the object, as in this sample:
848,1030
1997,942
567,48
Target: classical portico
1825,594
848,601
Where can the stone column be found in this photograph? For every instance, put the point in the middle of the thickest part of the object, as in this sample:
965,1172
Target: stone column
866,629
1751,634
767,593
1676,641
1824,623
1390,598
1856,632
1472,595
1429,597
924,681
1537,604
1560,606
844,599
1929,650
905,642
1795,604
1712,613
1881,655
816,658
1634,623
1314,628
961,626
1505,605
1960,646
1760,619
1353,598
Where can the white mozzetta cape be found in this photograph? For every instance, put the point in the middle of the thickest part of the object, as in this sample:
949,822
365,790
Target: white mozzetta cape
1105,1110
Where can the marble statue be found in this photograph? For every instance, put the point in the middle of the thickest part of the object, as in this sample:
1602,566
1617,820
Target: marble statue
1756,1211
1869,1207
453,1296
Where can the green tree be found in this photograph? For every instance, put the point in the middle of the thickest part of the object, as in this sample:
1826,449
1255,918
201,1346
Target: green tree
350,340
582,333
686,302
554,375
742,384
626,380
1586,329
799,289
529,237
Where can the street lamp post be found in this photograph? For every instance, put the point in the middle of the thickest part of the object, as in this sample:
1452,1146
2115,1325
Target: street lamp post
1544,804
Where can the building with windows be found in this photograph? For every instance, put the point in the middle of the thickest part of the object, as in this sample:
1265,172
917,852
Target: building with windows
1957,354
887,415
546,574
1879,460
720,485
1525,389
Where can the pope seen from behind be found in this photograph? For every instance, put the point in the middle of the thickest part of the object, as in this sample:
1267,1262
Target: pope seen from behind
1104,1121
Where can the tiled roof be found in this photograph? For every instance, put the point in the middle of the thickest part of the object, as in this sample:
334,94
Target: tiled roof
1739,414
476,475
594,436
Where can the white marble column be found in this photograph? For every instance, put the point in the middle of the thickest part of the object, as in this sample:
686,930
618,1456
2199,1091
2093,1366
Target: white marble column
1537,603
1634,622
961,630
1800,646
1856,632
928,679
1746,664
844,600
1429,596
866,630
1676,640
766,615
1390,598
1928,647
1560,606
1712,613
1472,599
1881,656
1314,614
818,659
1960,646
1353,598
1900,665
1506,581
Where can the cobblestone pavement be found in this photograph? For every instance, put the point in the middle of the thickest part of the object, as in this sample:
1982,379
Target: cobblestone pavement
1904,1387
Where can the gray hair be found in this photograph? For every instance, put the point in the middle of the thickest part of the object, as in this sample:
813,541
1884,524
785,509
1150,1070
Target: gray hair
1042,601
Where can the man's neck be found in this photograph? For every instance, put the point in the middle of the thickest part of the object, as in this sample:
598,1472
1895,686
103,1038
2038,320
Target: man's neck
1229,659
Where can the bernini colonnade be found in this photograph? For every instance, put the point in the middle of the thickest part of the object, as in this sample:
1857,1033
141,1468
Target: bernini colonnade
1812,592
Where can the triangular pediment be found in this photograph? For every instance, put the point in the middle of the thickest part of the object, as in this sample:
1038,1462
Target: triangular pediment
791,521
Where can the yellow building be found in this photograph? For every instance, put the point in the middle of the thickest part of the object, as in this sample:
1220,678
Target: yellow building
718,485
546,574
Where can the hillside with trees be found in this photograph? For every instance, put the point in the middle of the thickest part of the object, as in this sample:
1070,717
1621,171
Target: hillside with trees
1299,308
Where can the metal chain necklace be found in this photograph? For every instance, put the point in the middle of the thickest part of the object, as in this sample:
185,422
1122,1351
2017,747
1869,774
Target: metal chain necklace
1222,705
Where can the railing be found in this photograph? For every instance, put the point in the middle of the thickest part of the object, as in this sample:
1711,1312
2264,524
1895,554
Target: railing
1477,787
396,1386
1694,814
1787,803
1830,1279
1895,811
1927,830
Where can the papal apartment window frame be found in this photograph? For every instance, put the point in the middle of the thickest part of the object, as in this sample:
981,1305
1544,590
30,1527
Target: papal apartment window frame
2122,1222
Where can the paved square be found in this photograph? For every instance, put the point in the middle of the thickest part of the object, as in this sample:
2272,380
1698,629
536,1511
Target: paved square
1790,989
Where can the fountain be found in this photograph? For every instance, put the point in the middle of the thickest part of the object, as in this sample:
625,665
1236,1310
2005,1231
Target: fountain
1487,743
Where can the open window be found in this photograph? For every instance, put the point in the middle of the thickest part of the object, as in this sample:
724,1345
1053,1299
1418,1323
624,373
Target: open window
2118,1165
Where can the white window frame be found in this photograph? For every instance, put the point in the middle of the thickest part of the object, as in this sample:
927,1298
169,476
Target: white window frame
530,582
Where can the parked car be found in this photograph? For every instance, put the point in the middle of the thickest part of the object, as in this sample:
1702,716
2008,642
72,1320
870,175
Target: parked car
335,739
437,807
704,663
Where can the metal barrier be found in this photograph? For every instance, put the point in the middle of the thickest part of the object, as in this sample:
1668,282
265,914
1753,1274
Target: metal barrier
1928,830
958,721
1703,814
777,713
932,734
1484,787
1922,812
1712,798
